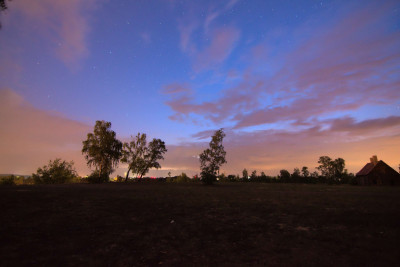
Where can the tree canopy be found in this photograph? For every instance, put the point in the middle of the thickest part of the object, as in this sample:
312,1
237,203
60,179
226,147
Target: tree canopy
212,158
3,7
140,156
102,149
332,169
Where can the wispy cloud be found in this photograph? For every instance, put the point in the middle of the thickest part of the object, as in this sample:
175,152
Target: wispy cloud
64,25
220,39
223,41
341,65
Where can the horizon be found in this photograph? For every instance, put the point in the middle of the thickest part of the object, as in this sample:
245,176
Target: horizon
288,82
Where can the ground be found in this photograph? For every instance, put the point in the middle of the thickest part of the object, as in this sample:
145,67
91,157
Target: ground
142,224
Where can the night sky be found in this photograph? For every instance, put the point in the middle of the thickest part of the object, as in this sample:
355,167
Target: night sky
289,81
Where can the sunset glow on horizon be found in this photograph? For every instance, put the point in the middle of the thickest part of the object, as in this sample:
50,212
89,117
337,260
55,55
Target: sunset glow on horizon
289,81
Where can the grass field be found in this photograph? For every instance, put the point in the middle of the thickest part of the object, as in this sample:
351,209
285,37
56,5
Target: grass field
190,224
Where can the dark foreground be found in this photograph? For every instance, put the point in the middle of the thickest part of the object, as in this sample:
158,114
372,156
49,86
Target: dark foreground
190,224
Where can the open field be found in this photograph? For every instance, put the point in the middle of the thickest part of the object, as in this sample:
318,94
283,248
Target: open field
175,224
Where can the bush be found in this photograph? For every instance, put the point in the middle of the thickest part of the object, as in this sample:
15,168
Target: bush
96,178
56,172
223,178
208,178
183,178
7,180
171,179
120,179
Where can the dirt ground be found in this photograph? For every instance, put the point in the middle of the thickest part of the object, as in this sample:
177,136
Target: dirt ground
233,224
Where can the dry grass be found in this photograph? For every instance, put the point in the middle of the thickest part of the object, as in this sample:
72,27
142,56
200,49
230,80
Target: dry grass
180,224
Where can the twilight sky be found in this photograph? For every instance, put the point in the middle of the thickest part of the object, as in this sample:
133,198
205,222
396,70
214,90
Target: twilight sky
289,81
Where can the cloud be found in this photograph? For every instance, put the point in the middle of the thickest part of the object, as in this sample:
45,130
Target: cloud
220,40
349,124
209,19
273,150
223,41
30,137
231,4
186,30
175,88
64,24
341,65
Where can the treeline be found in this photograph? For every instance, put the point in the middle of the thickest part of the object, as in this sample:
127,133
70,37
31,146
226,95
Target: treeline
103,151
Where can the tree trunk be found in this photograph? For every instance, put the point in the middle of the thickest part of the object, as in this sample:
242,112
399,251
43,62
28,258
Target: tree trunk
100,169
127,175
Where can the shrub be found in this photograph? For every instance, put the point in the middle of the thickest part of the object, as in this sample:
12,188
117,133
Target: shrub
7,180
208,178
183,178
28,181
96,178
171,179
56,172
223,178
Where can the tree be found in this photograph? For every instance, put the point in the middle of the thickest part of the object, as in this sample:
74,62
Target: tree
296,172
102,150
253,175
296,175
133,154
56,172
332,169
284,175
305,172
245,174
325,166
3,7
142,157
212,158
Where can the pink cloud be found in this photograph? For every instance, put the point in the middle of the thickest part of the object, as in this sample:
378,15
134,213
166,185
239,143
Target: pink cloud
175,88
350,125
340,65
64,24
31,137
272,150
223,41
231,4
186,30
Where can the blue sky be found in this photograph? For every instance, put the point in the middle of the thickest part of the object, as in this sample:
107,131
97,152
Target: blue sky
289,81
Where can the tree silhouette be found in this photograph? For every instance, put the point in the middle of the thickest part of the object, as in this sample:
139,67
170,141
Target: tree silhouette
212,158
245,174
331,169
142,157
102,149
3,7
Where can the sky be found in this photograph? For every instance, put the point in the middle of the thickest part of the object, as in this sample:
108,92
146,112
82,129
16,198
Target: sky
288,81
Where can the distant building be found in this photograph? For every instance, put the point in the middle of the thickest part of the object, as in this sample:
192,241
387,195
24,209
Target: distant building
377,173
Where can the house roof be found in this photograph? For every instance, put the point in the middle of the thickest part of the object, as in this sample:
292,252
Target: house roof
369,167
366,169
